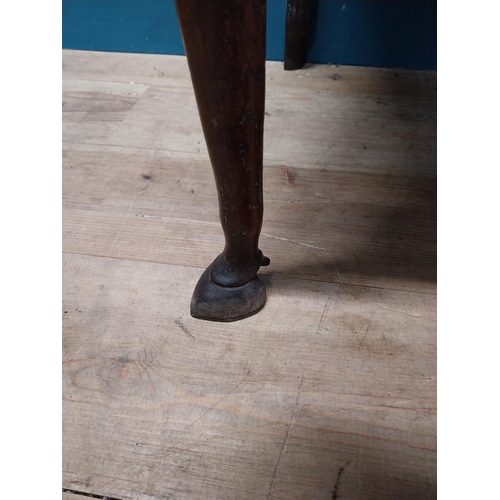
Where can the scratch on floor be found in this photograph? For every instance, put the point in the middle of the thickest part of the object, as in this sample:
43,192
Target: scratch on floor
217,403
176,219
325,310
406,313
181,325
125,220
149,216
324,250
291,241
129,210
335,494
272,217
283,446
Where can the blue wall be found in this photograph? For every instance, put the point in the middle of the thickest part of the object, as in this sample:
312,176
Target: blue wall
384,33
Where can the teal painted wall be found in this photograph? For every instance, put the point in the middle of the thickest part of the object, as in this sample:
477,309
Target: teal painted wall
383,33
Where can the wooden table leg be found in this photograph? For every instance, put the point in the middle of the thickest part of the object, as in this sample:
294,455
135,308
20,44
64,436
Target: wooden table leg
300,21
225,48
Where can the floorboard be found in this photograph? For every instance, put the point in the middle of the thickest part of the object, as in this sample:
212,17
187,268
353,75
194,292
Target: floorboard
328,392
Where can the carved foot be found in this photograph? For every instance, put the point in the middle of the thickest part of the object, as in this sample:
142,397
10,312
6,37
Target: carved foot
214,302
225,273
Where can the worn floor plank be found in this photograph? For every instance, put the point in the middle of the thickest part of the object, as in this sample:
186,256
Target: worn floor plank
320,117
329,392
359,228
158,403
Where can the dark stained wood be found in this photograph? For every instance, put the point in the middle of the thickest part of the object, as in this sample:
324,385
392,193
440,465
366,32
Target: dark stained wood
225,48
300,20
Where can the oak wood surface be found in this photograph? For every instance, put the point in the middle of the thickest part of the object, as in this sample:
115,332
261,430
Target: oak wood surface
329,392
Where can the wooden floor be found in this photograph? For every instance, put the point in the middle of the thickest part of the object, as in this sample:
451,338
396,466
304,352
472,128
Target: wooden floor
330,391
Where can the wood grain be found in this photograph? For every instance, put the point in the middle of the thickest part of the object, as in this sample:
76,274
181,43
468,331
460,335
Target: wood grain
330,391
317,117
157,403
359,228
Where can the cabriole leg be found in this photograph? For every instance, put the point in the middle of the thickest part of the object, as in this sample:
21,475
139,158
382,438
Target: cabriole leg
225,49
